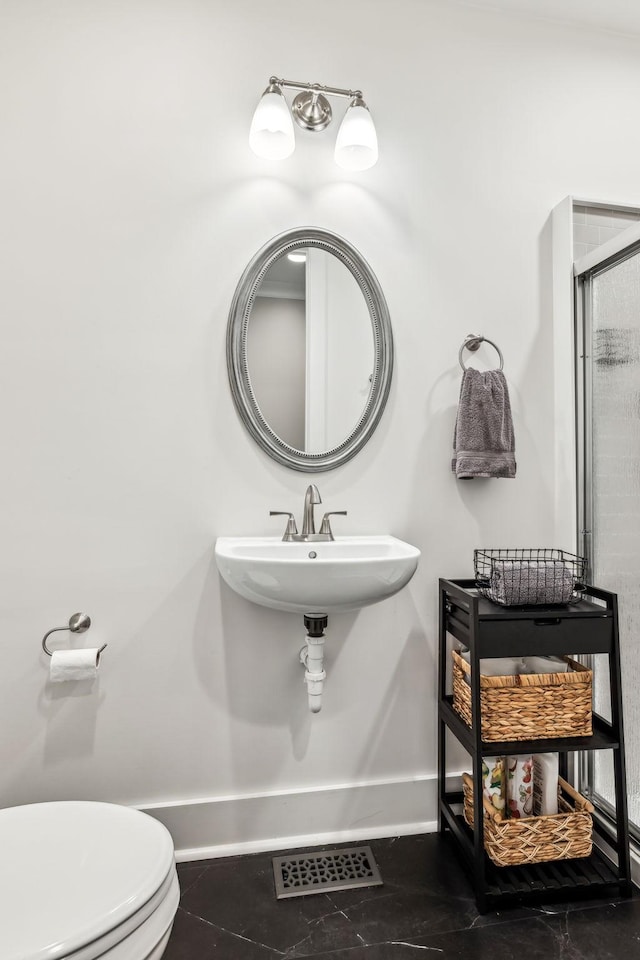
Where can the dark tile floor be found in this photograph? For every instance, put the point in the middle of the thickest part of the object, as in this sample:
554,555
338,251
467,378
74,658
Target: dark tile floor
228,910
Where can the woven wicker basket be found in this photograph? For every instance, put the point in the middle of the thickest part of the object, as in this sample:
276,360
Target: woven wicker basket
562,836
531,706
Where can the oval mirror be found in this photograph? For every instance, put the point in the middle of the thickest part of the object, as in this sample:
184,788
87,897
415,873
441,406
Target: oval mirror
309,349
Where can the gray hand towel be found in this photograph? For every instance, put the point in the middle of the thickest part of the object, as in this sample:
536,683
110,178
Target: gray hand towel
516,582
483,440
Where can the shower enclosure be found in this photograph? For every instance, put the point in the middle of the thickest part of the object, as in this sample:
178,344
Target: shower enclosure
608,417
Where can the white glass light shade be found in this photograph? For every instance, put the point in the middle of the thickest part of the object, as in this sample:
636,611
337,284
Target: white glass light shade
357,142
271,134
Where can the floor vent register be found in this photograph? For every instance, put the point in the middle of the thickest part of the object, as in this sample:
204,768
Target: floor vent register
305,873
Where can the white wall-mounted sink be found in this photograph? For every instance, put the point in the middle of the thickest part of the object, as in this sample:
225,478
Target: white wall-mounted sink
316,576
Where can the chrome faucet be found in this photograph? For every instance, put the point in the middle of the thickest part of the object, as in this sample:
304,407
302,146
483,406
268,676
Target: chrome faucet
311,497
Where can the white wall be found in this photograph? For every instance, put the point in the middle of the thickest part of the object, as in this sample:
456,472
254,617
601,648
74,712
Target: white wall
275,347
340,352
130,205
350,350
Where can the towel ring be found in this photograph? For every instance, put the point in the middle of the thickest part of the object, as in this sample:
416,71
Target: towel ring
78,623
472,343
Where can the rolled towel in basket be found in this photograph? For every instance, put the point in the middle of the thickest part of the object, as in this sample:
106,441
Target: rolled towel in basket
537,581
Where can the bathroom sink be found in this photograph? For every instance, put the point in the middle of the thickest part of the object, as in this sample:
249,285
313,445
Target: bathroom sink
316,577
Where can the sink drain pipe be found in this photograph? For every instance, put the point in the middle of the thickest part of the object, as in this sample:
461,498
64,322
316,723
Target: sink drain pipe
312,656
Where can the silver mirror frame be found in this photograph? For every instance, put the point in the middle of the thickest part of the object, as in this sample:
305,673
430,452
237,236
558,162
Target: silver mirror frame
240,381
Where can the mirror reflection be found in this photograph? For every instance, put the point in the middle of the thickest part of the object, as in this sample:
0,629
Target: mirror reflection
310,349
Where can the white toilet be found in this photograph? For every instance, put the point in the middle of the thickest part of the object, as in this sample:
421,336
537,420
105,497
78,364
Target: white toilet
81,880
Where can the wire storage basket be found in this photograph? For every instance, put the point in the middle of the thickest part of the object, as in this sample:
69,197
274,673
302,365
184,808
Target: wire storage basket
529,576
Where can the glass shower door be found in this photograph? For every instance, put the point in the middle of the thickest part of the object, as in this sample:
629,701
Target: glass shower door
610,333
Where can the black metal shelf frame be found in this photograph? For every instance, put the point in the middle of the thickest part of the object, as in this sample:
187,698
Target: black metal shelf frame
586,627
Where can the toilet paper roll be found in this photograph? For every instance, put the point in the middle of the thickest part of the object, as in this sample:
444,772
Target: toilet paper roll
73,664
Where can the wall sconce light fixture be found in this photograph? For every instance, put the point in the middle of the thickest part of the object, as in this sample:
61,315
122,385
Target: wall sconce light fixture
272,137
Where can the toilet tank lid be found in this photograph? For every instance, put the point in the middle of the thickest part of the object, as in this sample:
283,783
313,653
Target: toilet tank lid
71,871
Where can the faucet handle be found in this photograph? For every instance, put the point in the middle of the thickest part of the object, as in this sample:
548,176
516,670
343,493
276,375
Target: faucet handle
291,530
325,526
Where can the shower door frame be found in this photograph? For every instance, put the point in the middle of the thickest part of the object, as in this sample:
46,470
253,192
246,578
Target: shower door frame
586,269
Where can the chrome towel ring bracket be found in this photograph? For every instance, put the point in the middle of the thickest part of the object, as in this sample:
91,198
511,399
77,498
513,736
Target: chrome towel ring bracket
472,342
78,623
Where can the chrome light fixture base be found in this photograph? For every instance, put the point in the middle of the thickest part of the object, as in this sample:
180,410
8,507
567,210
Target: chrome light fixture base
311,110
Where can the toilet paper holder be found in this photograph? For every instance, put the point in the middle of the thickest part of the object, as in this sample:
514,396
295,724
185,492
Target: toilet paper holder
78,623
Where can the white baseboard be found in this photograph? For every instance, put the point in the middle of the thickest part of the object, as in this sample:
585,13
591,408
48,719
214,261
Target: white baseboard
283,820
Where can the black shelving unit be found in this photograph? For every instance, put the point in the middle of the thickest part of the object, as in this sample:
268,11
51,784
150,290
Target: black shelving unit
588,626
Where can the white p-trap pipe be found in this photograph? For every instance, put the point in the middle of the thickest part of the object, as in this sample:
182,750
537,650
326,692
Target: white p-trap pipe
312,656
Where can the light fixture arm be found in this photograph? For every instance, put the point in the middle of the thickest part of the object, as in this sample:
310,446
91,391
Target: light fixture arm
317,87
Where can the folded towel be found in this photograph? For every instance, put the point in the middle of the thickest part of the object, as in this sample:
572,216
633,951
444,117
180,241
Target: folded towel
545,665
496,666
483,440
516,582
